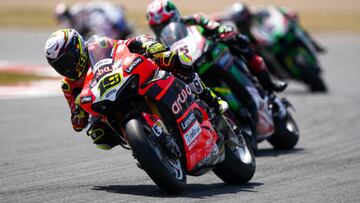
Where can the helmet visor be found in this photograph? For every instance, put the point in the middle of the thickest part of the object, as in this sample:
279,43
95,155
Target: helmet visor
66,64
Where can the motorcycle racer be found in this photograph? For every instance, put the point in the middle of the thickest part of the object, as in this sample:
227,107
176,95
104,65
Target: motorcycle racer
95,17
241,15
161,12
67,52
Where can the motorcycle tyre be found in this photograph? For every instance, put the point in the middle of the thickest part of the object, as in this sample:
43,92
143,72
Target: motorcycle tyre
283,137
150,161
232,170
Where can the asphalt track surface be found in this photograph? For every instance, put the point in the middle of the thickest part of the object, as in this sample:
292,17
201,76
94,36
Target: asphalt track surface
43,160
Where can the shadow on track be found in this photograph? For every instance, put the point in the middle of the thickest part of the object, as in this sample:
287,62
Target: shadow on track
275,153
192,190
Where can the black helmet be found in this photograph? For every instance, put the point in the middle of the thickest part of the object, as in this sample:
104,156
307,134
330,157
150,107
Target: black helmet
63,16
240,14
66,53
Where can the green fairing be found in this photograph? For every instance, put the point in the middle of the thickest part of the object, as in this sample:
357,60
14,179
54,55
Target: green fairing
223,91
226,93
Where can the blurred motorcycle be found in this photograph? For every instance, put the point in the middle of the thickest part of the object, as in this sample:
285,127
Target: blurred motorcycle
286,48
96,17
262,115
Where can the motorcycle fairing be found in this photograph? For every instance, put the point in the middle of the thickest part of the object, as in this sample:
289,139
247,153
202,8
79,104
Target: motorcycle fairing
265,126
199,138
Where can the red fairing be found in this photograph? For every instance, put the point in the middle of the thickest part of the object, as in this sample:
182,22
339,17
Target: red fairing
198,145
87,93
144,69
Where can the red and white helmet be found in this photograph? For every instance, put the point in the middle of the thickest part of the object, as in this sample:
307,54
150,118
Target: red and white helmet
66,53
161,12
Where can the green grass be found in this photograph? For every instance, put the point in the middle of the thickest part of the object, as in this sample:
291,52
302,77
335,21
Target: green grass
331,22
24,17
15,78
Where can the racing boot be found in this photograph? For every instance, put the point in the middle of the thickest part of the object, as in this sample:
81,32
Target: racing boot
258,68
268,83
319,49
205,94
103,136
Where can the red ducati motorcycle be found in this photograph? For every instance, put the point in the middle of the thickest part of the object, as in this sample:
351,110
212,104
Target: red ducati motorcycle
170,132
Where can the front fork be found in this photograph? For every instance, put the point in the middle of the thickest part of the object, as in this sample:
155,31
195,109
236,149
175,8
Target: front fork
279,107
162,134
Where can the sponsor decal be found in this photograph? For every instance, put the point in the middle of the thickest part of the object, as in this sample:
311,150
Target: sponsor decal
103,62
86,99
110,93
93,83
157,128
192,134
101,71
186,123
176,107
134,64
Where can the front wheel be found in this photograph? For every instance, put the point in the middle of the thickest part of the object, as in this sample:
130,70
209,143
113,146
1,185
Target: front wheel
286,134
312,77
239,164
167,172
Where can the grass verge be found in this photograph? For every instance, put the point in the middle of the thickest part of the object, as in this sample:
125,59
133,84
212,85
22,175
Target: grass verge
15,78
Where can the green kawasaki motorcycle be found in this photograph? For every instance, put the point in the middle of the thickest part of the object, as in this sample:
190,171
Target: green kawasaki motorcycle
286,48
261,115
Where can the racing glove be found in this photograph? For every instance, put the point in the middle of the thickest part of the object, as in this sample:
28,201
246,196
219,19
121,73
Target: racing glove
154,49
79,118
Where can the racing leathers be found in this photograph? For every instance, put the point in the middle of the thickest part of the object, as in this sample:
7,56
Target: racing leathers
240,46
176,62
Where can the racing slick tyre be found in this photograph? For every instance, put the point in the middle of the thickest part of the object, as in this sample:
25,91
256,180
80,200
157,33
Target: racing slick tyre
239,164
167,172
286,134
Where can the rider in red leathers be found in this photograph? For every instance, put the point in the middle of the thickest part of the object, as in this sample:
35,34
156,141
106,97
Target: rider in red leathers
67,53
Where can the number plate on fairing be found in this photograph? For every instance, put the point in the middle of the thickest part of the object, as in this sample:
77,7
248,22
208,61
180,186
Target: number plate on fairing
108,85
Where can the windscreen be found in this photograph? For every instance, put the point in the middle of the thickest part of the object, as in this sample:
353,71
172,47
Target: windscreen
99,48
173,32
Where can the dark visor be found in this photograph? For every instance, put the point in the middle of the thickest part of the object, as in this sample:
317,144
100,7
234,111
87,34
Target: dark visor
66,63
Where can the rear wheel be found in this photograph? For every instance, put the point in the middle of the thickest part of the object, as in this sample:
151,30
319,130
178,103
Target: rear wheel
165,170
286,134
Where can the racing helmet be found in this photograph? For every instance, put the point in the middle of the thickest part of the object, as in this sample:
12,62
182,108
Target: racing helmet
62,15
161,12
66,53
240,14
